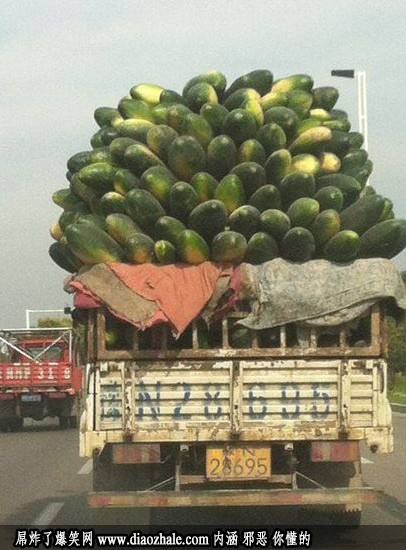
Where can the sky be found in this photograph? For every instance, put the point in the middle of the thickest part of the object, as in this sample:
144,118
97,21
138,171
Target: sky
60,60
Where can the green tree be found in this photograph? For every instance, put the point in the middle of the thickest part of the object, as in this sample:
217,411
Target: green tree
397,345
53,322
397,342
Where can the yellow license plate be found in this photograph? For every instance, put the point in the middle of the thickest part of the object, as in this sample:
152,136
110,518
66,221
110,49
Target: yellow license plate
238,463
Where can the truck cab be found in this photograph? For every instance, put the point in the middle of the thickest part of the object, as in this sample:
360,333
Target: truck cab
38,377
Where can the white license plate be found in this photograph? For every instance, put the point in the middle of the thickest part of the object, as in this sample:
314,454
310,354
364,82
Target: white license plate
31,398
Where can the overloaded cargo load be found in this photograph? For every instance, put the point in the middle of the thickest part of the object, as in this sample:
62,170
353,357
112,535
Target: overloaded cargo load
257,170
276,293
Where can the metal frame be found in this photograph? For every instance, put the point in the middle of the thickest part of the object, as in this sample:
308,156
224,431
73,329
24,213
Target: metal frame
60,333
28,311
98,351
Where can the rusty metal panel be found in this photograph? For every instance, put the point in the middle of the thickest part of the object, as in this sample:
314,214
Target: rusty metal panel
335,451
267,497
136,453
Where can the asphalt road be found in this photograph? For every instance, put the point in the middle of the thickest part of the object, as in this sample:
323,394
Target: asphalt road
44,482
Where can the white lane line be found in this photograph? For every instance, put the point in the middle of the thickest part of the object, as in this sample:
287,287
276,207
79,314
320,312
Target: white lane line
49,513
86,468
366,460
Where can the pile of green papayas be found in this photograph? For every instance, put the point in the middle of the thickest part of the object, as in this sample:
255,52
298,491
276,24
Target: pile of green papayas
248,172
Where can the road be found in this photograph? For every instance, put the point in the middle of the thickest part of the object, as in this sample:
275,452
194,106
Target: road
44,482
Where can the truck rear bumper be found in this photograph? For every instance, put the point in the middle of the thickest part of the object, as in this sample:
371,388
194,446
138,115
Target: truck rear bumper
268,497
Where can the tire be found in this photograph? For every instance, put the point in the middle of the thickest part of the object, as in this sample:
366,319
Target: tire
4,426
63,422
73,422
15,424
335,475
121,477
102,472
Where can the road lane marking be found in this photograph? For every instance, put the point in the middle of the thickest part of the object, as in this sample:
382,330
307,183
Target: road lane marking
49,513
366,460
86,468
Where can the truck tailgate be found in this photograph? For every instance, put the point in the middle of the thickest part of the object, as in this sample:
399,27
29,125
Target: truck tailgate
248,399
20,375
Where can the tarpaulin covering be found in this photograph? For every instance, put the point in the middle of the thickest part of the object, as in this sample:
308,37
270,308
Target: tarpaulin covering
147,294
325,293
225,296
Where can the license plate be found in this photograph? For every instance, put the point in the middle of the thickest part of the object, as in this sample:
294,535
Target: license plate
31,398
238,463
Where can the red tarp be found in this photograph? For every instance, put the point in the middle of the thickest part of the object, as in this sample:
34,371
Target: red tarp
178,291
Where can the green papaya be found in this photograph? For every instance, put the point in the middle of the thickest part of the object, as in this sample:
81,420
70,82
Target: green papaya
229,246
231,192
186,157
251,151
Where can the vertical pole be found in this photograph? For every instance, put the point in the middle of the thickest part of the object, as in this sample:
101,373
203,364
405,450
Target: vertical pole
359,101
362,106
27,318
365,111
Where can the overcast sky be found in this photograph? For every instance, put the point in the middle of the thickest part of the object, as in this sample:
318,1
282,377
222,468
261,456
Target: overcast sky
60,60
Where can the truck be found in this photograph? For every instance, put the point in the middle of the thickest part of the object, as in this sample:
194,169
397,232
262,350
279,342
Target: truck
39,376
278,420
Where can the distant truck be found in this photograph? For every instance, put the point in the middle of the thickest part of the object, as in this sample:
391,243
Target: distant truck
38,377
277,422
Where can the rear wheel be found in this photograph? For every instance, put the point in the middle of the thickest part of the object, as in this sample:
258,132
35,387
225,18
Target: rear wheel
63,422
73,422
15,424
108,476
337,475
4,425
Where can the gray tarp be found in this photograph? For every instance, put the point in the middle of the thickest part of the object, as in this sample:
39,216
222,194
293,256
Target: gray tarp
318,291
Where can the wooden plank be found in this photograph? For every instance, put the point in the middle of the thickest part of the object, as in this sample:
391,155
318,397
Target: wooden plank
384,336
136,341
90,355
195,337
252,353
343,339
377,347
376,327
306,392
224,328
236,400
282,339
313,338
100,333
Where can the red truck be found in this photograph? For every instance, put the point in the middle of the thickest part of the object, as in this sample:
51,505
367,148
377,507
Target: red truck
38,377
